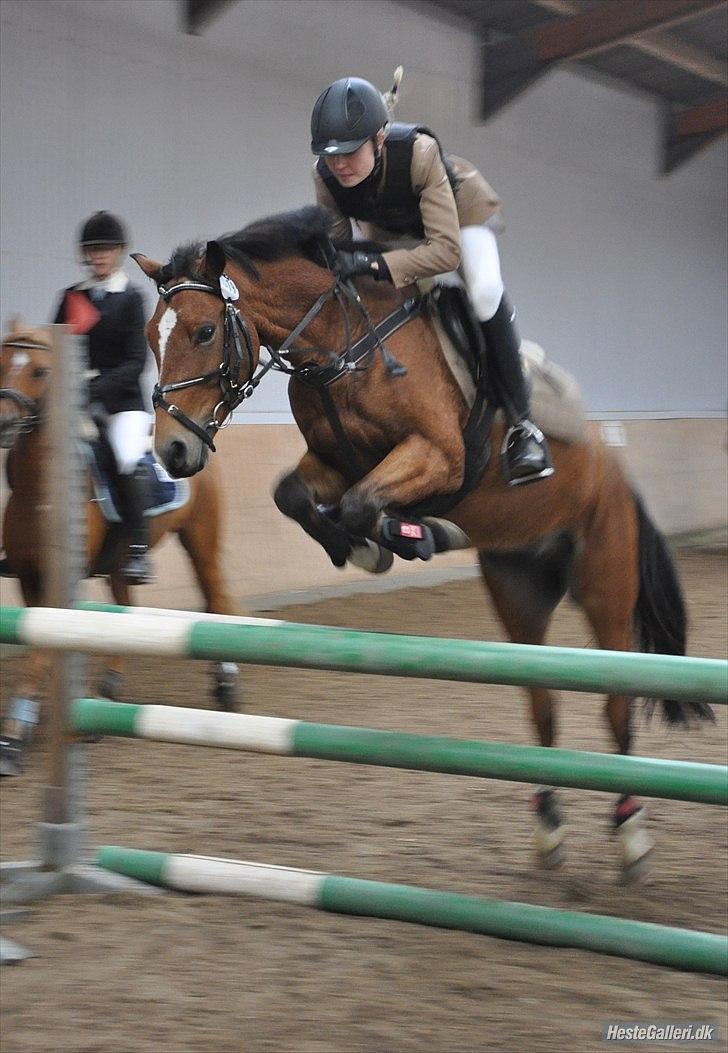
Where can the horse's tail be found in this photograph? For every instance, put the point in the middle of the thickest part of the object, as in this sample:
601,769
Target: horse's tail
660,618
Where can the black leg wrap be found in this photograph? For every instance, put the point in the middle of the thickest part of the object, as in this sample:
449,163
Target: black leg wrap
293,498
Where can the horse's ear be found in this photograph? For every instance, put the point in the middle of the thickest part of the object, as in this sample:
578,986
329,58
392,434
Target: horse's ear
16,324
214,260
150,267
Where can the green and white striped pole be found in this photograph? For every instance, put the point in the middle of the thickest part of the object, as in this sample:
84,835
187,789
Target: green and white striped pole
680,948
675,780
354,651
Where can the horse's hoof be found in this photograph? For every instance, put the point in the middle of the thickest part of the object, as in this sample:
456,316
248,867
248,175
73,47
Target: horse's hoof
551,859
371,557
549,831
226,697
110,685
635,843
225,691
11,756
634,873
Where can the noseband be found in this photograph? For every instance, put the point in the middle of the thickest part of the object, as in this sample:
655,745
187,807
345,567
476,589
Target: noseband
23,402
235,383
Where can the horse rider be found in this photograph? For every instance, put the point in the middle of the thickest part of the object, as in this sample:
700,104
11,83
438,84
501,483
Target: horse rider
395,182
109,311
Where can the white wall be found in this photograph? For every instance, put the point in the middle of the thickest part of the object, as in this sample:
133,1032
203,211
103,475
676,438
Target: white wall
619,274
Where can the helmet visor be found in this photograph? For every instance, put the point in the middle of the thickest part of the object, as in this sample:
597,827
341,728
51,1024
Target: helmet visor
336,146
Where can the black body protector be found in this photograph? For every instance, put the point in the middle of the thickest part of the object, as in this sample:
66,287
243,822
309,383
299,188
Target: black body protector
393,205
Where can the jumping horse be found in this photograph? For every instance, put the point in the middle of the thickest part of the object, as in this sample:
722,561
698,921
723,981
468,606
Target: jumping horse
25,367
388,445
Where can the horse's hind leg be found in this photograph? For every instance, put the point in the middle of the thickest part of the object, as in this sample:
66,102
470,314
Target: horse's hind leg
525,588
607,587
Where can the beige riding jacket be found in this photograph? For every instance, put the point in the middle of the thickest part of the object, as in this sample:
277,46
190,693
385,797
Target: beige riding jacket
443,214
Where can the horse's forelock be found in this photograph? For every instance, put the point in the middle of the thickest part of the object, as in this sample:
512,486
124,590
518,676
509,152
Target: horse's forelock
28,336
185,262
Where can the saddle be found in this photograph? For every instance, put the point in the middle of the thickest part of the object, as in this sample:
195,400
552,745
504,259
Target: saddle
166,494
556,402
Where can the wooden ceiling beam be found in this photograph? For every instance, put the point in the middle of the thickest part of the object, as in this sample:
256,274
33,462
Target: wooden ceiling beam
710,117
684,132
512,65
197,14
607,25
660,45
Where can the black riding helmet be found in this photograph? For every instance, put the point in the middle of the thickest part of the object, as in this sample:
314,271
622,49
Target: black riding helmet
348,113
102,229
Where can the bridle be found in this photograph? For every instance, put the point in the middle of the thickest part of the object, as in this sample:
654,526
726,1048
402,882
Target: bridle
235,385
32,416
229,372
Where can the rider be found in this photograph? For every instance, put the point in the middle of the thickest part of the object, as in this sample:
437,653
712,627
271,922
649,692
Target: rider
109,311
394,182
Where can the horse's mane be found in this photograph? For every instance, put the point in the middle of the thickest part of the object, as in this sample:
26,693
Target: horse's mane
300,232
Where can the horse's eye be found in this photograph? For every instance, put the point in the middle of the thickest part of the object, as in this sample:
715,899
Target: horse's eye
204,334
39,372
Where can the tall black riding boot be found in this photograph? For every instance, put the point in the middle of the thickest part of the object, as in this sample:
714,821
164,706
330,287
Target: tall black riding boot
133,490
524,454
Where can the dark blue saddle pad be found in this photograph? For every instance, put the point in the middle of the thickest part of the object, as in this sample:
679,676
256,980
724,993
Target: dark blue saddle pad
166,493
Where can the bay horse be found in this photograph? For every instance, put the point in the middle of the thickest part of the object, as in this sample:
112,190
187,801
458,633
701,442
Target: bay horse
384,432
25,368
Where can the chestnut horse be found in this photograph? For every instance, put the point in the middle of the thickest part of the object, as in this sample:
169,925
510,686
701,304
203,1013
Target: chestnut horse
25,360
384,431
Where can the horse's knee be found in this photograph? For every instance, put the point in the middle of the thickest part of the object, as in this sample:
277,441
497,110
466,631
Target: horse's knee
359,513
292,497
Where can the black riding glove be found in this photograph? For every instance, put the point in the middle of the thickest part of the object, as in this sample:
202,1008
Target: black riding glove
353,264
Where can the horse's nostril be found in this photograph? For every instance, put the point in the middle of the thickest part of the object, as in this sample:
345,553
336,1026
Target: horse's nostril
176,457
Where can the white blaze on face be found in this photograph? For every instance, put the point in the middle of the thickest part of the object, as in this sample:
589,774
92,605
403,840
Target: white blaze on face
166,324
19,361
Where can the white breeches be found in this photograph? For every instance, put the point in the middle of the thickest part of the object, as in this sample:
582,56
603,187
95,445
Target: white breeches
481,270
128,435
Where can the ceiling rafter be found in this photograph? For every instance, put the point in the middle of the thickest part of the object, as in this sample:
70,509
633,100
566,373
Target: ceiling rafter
608,24
197,14
660,45
511,66
685,132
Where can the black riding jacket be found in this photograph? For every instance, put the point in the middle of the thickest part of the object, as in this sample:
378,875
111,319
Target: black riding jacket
117,348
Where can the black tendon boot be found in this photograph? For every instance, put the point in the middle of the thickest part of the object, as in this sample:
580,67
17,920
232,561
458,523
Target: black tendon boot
524,455
133,493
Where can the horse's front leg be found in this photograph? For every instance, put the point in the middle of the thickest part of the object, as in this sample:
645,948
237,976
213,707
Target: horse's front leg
304,493
415,469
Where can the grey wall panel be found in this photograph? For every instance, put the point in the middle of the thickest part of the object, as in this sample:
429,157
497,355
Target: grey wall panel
620,275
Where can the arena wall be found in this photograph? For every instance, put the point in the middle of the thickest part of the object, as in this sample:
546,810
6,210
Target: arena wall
619,274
